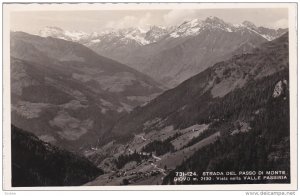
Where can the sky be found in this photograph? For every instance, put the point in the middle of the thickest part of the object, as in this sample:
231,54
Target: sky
97,21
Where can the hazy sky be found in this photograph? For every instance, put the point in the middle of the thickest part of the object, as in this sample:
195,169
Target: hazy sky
95,21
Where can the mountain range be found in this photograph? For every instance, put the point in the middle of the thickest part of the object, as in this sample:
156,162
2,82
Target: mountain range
173,54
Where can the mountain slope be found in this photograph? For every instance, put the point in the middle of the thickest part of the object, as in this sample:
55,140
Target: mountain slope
37,163
195,100
264,146
233,116
65,93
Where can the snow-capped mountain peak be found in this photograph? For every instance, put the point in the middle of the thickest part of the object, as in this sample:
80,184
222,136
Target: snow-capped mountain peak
249,24
50,31
214,20
195,26
139,36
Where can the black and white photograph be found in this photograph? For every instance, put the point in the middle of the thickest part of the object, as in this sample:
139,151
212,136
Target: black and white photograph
167,95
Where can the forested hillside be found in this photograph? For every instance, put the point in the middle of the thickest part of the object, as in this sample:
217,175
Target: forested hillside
265,146
37,163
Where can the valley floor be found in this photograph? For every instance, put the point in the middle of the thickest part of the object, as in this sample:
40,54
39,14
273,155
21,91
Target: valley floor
152,170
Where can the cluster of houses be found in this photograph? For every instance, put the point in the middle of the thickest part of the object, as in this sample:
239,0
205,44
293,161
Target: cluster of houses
135,175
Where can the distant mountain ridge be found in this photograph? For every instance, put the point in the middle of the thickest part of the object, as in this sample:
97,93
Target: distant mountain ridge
137,35
155,33
171,55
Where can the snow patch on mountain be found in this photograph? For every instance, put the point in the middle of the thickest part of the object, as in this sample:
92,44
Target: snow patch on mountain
75,36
